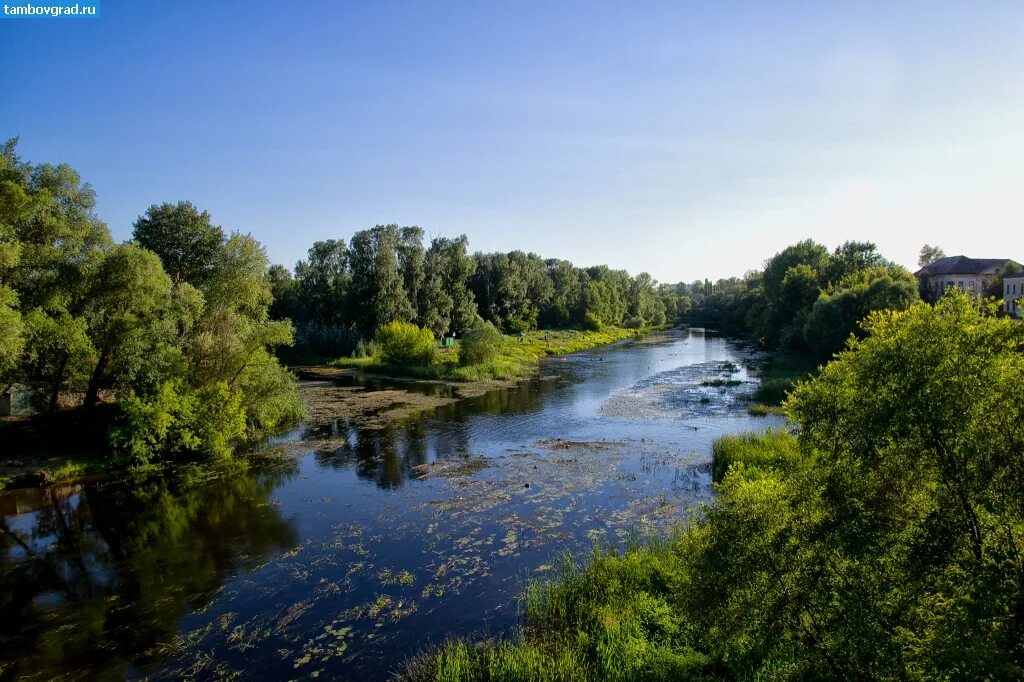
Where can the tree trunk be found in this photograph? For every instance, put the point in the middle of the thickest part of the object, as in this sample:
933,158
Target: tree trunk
57,381
92,393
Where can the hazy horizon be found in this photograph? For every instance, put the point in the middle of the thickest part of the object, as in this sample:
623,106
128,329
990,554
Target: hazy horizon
688,142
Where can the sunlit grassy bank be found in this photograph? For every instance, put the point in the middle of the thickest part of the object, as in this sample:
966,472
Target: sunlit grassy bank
517,357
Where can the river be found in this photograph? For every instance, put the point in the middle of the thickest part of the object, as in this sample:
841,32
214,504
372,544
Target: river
360,546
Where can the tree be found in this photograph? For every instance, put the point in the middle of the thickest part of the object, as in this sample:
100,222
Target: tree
323,281
410,263
50,243
129,307
446,303
285,292
919,429
378,293
929,254
185,240
405,344
836,314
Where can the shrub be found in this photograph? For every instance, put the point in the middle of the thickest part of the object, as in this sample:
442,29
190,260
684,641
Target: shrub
634,322
480,344
404,344
516,325
178,421
592,323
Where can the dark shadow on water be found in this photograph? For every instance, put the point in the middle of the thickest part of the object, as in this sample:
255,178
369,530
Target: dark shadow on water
95,578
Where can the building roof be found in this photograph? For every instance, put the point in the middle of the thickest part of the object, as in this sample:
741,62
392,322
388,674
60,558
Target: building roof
962,265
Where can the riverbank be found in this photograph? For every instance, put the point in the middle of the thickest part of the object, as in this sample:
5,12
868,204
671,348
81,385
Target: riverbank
518,358
65,446
372,394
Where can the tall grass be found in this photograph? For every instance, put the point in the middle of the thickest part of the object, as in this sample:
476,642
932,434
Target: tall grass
776,449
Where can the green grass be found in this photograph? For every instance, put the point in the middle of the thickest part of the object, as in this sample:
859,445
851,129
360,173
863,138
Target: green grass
774,449
720,382
517,358
762,410
616,618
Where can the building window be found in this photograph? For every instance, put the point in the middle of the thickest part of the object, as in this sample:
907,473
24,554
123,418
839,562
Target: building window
972,285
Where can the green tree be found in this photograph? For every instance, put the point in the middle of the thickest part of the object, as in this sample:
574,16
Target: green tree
323,282
129,306
446,303
378,293
411,263
837,313
50,244
285,292
405,344
919,429
929,254
183,237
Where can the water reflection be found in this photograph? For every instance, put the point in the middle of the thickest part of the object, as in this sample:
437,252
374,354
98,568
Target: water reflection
95,577
388,455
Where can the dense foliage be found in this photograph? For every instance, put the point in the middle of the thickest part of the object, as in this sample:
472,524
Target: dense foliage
480,344
807,298
882,541
404,344
174,326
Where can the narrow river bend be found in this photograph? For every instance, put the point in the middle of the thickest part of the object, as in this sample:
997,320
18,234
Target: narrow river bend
370,543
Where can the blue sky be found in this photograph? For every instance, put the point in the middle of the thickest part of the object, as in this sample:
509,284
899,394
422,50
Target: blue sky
686,139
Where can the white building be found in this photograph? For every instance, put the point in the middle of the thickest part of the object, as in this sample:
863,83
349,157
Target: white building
971,275
1013,295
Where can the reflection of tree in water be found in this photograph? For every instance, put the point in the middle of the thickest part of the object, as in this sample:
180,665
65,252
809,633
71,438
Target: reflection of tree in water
388,455
385,456
527,396
101,575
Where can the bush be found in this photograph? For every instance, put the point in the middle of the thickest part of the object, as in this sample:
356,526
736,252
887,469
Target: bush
480,344
592,323
634,322
178,421
517,325
404,344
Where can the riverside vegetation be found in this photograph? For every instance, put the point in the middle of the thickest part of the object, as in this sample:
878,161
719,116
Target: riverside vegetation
881,539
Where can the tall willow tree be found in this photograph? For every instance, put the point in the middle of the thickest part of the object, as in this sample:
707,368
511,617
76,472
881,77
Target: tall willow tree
446,303
51,243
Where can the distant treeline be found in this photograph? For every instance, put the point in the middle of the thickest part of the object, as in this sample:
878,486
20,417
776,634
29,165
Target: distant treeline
806,298
342,293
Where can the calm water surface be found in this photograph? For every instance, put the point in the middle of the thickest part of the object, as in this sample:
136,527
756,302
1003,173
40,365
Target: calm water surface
369,544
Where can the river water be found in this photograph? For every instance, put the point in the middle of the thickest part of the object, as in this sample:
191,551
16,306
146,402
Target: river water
362,546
